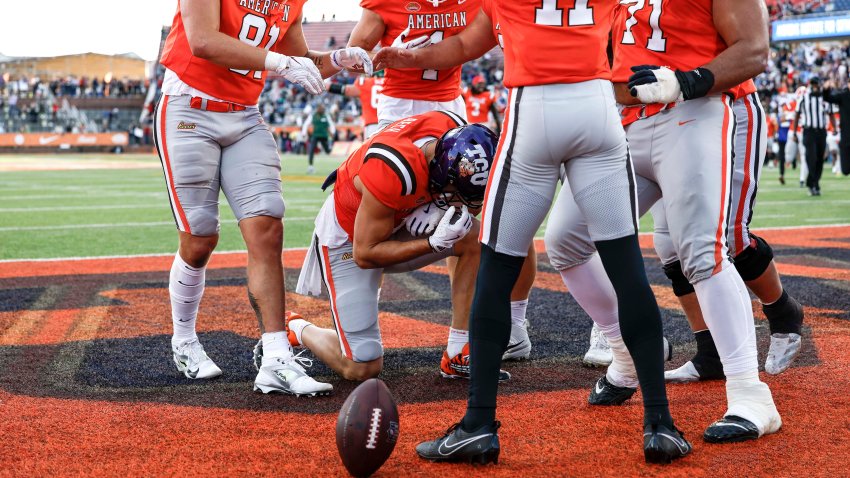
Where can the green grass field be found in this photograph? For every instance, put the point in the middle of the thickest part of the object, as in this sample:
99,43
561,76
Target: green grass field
103,212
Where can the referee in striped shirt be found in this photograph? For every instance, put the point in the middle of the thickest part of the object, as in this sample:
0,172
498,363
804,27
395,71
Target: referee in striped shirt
813,113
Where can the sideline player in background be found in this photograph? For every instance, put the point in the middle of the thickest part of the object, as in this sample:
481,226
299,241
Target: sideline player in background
752,257
210,137
480,103
680,129
407,92
368,89
395,178
548,91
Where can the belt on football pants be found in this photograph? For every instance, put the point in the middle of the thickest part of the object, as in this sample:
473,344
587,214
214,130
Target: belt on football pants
215,106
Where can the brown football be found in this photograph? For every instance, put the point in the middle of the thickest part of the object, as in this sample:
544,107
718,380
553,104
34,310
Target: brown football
367,428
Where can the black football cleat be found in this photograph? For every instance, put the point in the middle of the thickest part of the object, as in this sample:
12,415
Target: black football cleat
662,444
480,446
731,429
605,393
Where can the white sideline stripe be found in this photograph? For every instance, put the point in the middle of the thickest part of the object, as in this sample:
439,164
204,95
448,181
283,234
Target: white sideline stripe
290,202
133,256
287,249
119,224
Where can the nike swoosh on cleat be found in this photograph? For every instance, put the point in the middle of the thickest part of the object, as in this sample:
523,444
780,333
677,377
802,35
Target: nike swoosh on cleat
453,447
680,443
599,389
511,347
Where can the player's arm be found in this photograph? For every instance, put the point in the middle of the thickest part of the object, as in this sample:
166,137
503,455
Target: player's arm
368,31
328,63
743,26
373,227
340,89
473,42
495,112
202,21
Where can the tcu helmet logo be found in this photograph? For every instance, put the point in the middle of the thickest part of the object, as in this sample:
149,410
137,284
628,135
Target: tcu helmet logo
477,168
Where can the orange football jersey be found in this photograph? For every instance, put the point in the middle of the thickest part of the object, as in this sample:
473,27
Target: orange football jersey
478,105
391,167
746,88
673,33
552,41
439,19
370,89
260,23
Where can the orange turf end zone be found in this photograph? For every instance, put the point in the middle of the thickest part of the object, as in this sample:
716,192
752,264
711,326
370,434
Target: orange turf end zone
553,433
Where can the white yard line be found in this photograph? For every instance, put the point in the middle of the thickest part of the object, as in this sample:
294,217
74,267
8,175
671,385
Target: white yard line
118,224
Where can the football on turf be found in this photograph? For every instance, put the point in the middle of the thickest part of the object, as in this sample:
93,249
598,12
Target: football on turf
367,428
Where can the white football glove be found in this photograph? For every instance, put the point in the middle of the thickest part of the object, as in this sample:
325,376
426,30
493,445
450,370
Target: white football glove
415,44
423,220
352,58
448,232
655,85
297,69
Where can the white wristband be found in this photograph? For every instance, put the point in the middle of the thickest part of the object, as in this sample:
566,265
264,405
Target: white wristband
273,60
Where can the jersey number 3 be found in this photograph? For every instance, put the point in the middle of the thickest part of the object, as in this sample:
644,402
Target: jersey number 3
252,32
549,14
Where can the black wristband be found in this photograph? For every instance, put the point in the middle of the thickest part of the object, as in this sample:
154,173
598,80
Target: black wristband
695,83
337,88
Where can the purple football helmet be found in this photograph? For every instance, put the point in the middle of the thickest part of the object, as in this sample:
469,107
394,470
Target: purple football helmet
463,159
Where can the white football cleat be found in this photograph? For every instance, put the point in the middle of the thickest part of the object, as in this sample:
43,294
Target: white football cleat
599,354
287,375
190,358
684,374
753,402
784,348
519,346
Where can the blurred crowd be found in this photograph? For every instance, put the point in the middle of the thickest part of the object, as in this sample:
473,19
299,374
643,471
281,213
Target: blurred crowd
780,9
32,104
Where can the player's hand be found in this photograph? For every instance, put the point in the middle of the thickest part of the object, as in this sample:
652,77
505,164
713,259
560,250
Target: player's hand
402,42
353,58
394,58
297,69
424,219
450,230
654,84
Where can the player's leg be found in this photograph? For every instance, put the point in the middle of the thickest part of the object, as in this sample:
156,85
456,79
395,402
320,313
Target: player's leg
694,174
820,158
781,160
705,364
250,179
311,152
190,162
353,347
844,147
603,184
519,345
524,171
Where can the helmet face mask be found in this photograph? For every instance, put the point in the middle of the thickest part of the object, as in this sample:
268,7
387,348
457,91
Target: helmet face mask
461,165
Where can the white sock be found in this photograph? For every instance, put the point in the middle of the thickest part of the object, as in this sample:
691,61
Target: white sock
622,371
591,288
518,308
728,312
457,340
186,287
275,345
297,326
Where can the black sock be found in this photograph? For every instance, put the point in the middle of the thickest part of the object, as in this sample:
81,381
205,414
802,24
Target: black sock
785,315
640,322
705,345
489,333
707,360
